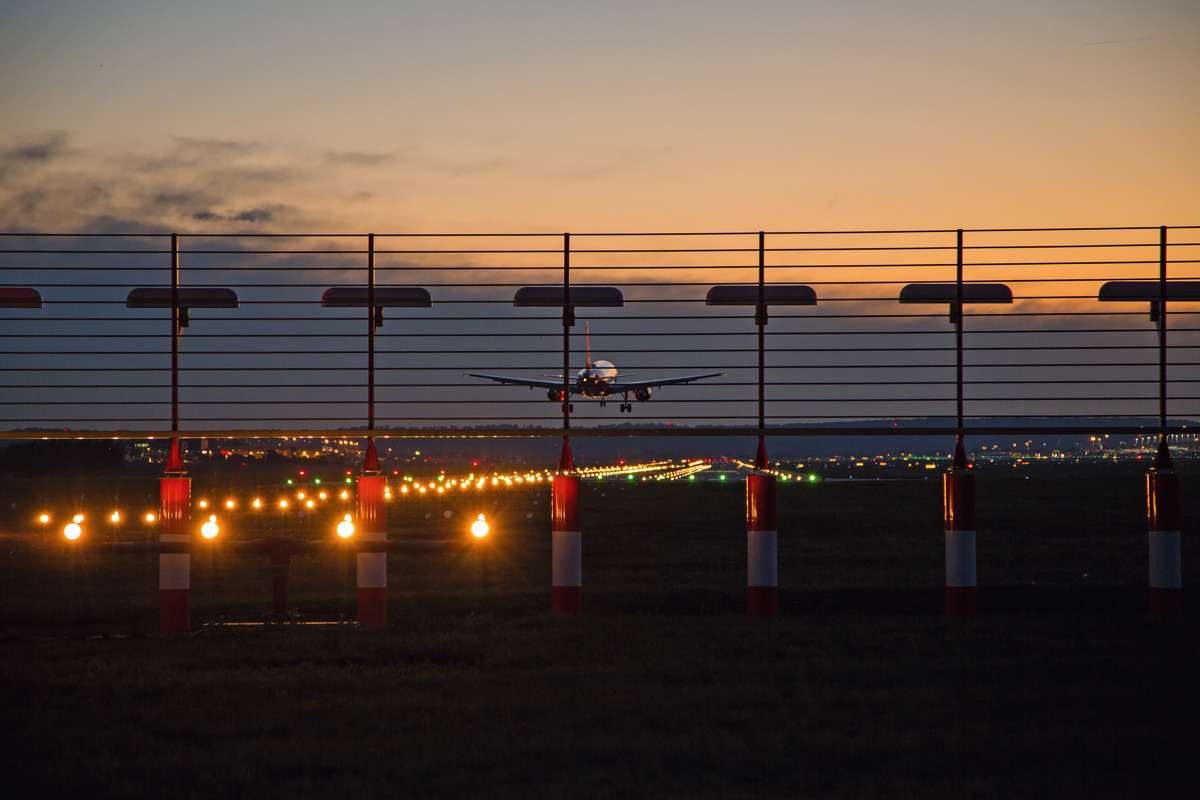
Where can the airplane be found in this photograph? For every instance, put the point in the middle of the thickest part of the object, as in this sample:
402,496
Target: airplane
599,379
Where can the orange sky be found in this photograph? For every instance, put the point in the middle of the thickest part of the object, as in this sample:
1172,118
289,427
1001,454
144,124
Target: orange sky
538,116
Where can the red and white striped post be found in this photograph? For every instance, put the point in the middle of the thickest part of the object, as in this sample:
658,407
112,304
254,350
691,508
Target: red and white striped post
959,502
372,523
174,569
566,531
762,578
1164,514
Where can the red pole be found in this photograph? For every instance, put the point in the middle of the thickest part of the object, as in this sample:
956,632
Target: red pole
1163,508
958,493
761,536
566,579
174,569
372,523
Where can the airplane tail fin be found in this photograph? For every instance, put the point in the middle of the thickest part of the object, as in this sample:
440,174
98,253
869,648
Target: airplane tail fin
587,336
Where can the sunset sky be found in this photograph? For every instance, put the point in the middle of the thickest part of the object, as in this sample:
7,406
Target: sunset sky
550,116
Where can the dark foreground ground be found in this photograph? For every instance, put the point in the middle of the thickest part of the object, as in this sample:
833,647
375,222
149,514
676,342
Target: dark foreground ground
1062,687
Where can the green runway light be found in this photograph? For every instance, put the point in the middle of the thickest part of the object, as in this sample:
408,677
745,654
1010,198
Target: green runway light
722,477
316,480
289,481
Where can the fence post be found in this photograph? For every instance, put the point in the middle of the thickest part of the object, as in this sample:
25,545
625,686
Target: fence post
1164,517
762,579
372,524
958,491
174,569
566,531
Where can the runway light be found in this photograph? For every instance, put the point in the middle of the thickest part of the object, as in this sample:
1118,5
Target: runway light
257,503
116,516
203,504
300,496
322,495
72,531
209,529
77,518
44,518
310,504
345,495
479,528
345,528
150,516
229,504
283,504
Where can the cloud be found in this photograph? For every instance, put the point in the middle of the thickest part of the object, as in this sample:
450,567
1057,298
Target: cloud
33,152
176,185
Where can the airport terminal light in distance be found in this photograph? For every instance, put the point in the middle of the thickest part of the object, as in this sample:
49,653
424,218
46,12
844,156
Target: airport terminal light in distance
599,379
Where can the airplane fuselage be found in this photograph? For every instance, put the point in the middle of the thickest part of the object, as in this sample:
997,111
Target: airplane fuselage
594,380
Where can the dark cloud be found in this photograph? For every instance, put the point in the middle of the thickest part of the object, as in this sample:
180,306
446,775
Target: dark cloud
254,215
358,159
33,152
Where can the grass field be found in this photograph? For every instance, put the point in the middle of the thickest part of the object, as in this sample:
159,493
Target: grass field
1062,687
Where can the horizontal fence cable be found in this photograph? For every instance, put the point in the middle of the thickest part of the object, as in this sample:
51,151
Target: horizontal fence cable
1054,356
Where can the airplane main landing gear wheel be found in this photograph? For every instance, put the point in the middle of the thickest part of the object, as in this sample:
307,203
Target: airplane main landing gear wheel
626,408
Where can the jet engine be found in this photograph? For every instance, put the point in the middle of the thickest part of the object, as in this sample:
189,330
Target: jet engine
555,395
642,394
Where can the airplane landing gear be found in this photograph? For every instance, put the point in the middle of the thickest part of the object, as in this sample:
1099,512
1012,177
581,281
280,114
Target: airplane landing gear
568,406
626,408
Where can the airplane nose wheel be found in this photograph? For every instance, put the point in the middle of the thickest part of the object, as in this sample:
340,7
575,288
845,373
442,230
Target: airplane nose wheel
626,408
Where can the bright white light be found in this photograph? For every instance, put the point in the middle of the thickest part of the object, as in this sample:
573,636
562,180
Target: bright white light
203,504
116,516
229,504
44,518
150,516
72,531
283,503
257,503
345,528
310,504
209,530
345,495
77,518
479,528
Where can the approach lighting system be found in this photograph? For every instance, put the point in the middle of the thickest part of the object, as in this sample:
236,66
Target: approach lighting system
19,297
377,297
345,528
479,528
183,298
579,297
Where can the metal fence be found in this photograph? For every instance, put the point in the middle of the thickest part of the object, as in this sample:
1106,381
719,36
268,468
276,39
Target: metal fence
87,362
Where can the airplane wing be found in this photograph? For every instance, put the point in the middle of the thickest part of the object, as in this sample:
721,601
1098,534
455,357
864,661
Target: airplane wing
629,386
534,382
